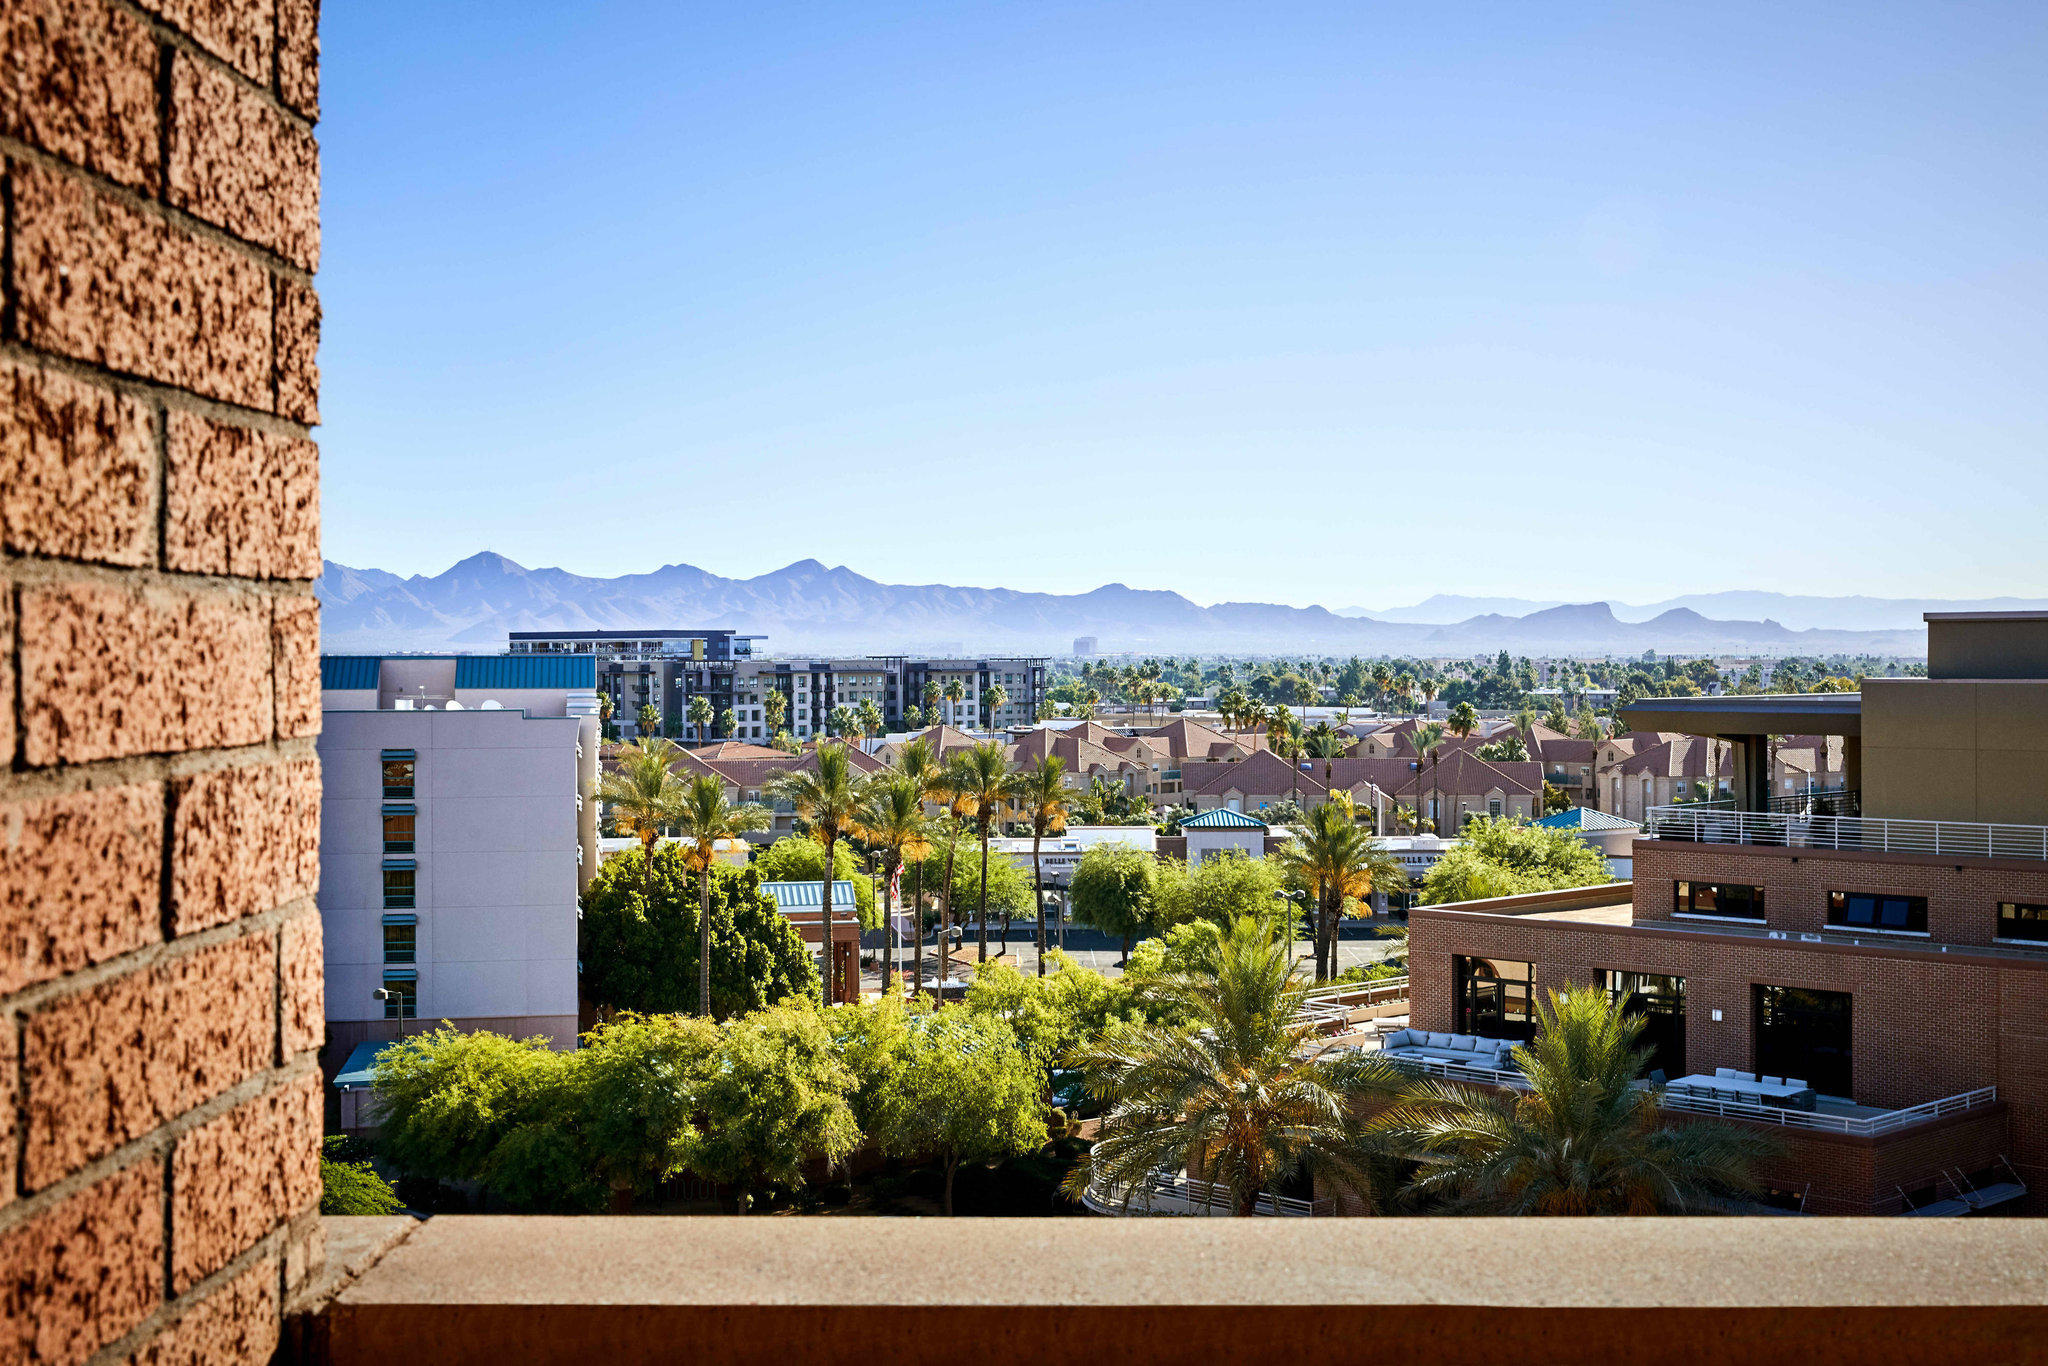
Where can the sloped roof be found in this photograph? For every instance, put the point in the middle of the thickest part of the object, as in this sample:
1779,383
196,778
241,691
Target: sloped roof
526,671
352,673
1223,818
1586,818
809,896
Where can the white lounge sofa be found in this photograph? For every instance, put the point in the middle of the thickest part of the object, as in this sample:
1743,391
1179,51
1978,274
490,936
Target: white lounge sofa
1467,1050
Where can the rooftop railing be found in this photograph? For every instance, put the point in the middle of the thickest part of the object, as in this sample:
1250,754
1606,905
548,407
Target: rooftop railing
1717,824
1695,1103
1172,1193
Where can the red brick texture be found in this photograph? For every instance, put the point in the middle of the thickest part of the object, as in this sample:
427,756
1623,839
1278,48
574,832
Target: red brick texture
160,974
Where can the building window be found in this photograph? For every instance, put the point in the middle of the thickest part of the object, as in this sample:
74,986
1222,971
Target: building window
1805,1035
398,888
1719,900
1495,998
2021,920
403,1002
398,774
1660,1003
398,829
401,939
1871,911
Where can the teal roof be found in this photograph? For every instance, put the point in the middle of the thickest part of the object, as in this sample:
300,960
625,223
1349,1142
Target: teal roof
526,671
356,673
1223,818
809,896
360,1069
1586,818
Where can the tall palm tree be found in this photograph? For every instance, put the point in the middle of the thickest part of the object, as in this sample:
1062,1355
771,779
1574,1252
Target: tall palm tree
992,699
918,764
828,796
1335,862
870,717
700,716
1246,1095
982,778
1326,744
705,817
1427,739
644,796
892,820
1464,719
774,706
1041,794
1582,1139
956,692
932,693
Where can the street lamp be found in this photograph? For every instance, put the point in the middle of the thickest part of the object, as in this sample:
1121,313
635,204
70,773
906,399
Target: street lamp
387,995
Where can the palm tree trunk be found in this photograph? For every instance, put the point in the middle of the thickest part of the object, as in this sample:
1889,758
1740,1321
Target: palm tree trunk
888,924
1038,892
831,950
917,932
647,839
946,919
981,928
952,1165
704,940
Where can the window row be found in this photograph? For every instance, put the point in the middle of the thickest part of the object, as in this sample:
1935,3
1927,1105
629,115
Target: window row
1883,912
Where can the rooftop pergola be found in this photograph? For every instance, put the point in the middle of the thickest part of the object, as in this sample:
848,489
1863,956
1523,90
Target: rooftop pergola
1747,723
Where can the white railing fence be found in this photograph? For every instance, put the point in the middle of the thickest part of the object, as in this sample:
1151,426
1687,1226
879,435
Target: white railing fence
1888,1121
1170,1193
1875,834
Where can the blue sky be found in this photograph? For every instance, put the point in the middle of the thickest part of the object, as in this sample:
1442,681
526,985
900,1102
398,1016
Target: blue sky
1344,304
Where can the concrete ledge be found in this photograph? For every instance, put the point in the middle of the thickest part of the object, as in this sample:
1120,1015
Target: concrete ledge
631,1290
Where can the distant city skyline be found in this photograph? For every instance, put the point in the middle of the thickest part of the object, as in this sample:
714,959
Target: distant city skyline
1330,306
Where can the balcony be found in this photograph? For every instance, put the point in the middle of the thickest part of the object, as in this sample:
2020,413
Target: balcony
1719,823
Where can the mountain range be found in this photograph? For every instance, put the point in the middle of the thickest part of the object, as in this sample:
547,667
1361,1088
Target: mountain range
1800,612
806,607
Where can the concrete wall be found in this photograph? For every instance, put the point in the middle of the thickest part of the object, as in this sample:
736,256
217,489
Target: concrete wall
159,533
497,843
1956,749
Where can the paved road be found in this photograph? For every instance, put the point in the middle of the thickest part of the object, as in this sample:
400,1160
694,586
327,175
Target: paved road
1357,945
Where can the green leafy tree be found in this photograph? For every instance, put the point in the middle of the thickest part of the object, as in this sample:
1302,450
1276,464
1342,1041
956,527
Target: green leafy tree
459,1106
1509,749
1503,857
1111,890
1244,1096
643,794
775,1097
1220,889
1055,1012
1340,866
352,1188
705,817
1582,1139
635,1089
963,1090
932,695
728,723
799,858
827,795
640,952
700,716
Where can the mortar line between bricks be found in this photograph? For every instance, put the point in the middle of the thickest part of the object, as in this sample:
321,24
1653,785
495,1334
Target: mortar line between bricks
10,321
17,759
30,784
181,219
123,1350
20,1103
39,570
158,1143
42,995
156,391
166,34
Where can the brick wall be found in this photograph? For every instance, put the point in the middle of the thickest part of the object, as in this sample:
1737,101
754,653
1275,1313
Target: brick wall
159,795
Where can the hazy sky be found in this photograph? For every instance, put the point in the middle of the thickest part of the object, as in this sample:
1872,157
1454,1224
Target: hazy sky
1344,305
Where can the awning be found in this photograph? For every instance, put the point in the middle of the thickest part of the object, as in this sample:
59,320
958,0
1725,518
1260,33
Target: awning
400,918
359,1071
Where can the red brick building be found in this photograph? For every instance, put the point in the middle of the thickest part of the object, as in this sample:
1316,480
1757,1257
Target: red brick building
1886,944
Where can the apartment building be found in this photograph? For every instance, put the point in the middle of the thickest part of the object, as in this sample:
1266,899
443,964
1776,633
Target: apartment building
662,669
457,830
1865,986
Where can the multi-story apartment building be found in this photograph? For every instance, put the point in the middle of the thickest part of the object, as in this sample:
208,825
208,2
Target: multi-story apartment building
662,669
668,669
458,826
1870,980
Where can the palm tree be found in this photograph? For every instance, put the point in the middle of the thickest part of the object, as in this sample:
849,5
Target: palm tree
1041,792
705,817
982,778
1245,1095
932,693
1326,744
1427,739
918,765
1335,862
700,715
828,796
1431,686
1464,719
956,692
892,819
992,699
644,795
774,706
870,717
1582,1139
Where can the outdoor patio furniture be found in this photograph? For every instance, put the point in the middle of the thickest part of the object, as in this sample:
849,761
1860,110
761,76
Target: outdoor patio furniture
1465,1050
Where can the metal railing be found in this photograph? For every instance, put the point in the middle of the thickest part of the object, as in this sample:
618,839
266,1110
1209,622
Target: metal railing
1713,824
1171,1193
1333,1002
1885,1122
